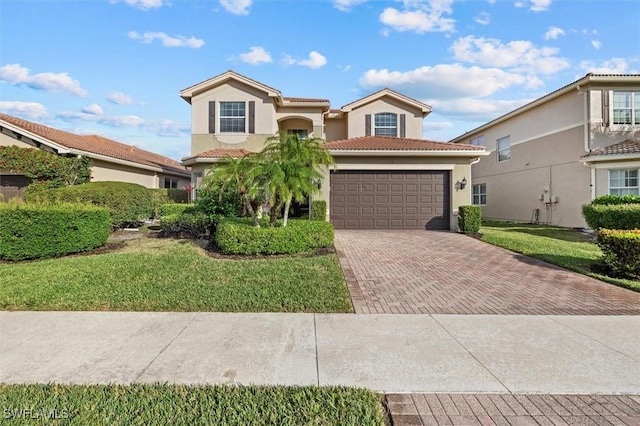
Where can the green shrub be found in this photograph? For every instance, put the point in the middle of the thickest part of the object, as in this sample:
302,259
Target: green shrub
612,216
175,208
469,219
178,195
128,203
44,166
159,197
319,210
239,236
188,224
616,199
620,251
208,201
31,231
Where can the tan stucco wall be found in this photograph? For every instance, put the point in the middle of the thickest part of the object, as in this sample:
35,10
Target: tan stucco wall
459,168
335,129
103,171
7,140
356,118
601,136
182,181
253,143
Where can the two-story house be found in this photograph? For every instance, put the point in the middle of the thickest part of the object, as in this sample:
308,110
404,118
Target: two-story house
386,176
555,154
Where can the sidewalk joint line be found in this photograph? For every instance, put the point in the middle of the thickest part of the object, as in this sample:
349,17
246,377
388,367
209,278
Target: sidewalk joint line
165,347
472,355
315,335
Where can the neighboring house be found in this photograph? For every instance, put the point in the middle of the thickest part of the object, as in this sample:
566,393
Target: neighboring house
555,154
386,175
111,160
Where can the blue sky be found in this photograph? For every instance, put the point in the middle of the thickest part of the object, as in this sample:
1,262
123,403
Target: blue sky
116,67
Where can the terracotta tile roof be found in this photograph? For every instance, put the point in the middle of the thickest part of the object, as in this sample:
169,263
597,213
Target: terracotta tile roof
219,153
387,143
94,144
629,146
302,100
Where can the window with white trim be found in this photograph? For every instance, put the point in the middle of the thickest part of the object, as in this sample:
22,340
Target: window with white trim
386,124
232,117
626,107
477,141
479,194
624,182
170,183
301,133
504,148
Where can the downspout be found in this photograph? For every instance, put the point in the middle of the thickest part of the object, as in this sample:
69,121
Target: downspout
587,141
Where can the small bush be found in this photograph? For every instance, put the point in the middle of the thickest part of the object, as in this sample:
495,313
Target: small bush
612,216
620,251
469,219
319,210
616,199
128,203
188,224
239,236
178,195
208,201
175,208
31,231
159,197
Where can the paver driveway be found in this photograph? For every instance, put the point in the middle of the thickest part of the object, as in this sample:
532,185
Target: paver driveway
433,272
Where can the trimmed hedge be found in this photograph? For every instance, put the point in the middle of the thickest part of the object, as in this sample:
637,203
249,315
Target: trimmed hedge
159,198
616,199
612,216
621,251
128,203
239,236
469,219
319,210
31,231
175,208
188,224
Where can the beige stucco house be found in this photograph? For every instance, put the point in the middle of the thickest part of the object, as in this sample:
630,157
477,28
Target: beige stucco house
555,154
386,176
111,160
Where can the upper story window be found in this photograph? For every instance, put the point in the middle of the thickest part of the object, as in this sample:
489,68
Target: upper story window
386,124
626,107
504,148
478,141
301,133
624,182
232,117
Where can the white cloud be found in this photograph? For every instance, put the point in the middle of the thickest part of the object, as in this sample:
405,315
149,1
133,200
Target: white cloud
420,16
237,7
596,44
120,98
611,66
436,125
143,4
31,110
483,18
47,81
256,55
344,68
346,5
520,4
519,55
168,128
94,109
446,81
167,40
476,109
540,5
315,60
553,33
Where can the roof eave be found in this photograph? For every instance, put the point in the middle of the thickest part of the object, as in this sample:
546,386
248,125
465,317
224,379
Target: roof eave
60,149
411,152
600,158
188,93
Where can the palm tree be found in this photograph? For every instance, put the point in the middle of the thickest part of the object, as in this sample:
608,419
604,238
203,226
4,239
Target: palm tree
293,164
239,174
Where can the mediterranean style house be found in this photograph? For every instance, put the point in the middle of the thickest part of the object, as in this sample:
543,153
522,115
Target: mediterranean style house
111,160
386,176
555,154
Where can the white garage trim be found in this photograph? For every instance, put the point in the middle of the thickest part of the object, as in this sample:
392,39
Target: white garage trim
384,166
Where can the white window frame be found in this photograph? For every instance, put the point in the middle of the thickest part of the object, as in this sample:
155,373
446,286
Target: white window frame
477,141
233,117
478,191
626,189
302,133
633,108
502,151
382,127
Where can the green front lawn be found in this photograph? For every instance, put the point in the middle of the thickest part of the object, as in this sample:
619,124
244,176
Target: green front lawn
152,274
564,247
189,405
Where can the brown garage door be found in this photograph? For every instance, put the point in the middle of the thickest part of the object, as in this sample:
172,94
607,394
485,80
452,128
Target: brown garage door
12,186
390,199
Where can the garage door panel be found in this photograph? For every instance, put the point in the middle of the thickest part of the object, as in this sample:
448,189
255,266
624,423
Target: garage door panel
390,199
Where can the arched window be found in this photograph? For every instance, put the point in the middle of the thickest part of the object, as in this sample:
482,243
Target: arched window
386,124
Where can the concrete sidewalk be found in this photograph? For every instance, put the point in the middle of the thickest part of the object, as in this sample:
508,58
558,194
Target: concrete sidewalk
387,353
